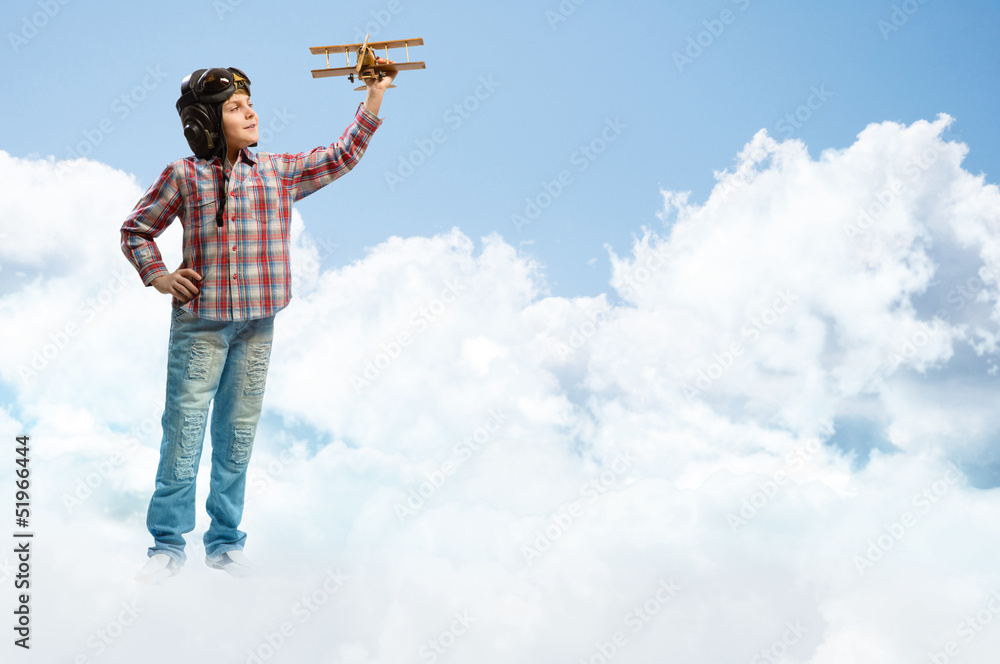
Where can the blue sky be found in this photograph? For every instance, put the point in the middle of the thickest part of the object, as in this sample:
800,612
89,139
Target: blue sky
768,408
559,79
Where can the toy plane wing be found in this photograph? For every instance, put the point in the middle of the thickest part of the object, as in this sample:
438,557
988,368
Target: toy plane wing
347,71
366,64
351,48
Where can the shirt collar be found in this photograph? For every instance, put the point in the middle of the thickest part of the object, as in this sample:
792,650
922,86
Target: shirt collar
247,156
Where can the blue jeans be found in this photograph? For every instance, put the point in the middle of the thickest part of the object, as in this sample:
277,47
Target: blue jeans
226,361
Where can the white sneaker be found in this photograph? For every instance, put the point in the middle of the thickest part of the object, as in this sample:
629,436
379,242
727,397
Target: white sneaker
235,563
158,569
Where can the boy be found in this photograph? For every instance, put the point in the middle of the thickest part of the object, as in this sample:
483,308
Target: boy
235,206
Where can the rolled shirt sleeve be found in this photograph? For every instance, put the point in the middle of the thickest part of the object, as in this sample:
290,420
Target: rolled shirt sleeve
152,214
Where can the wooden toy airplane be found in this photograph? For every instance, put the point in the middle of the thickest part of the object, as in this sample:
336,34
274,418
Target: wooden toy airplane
366,66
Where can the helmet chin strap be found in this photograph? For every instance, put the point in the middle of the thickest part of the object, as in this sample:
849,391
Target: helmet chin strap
222,184
222,199
224,180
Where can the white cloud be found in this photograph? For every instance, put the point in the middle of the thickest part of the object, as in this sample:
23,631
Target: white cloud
520,477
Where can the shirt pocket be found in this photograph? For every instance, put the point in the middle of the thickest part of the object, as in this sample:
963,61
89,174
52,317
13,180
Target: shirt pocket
201,210
267,202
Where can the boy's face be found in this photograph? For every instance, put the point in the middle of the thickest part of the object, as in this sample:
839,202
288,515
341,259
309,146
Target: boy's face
239,121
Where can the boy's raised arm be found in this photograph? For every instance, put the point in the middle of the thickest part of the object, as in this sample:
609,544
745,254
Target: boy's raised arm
309,171
377,88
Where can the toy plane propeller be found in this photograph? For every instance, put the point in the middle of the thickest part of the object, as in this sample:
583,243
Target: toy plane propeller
366,65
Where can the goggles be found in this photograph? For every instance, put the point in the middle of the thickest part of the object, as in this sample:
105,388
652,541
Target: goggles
211,86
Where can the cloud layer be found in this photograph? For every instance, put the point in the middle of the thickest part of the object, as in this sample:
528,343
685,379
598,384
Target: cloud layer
771,440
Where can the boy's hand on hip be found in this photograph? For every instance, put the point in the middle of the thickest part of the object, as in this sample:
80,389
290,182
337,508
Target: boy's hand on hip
180,283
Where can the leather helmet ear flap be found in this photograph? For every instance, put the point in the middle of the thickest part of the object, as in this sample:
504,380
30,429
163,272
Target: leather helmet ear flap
202,130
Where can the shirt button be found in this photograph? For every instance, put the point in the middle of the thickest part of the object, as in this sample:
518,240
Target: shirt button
234,276
234,248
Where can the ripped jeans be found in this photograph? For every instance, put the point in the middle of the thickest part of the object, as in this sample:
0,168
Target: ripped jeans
226,361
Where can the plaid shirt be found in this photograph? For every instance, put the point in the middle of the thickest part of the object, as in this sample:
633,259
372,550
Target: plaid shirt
244,263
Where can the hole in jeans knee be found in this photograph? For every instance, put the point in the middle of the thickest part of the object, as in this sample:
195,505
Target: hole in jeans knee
243,435
192,431
199,360
258,357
